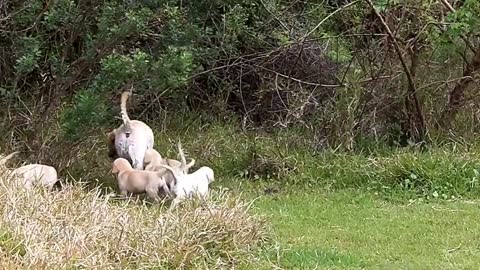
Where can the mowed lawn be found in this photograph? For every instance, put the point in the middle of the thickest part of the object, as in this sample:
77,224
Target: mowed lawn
355,230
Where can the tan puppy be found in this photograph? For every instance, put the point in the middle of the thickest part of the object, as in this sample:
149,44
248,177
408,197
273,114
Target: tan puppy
32,174
153,160
137,181
131,139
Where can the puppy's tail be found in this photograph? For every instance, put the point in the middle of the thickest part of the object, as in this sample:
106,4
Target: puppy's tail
123,110
4,160
183,166
210,176
189,165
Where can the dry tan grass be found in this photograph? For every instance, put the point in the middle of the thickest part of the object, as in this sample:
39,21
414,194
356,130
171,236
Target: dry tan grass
75,228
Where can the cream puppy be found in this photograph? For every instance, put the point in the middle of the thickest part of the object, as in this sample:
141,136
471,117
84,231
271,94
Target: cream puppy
138,181
153,160
131,140
32,174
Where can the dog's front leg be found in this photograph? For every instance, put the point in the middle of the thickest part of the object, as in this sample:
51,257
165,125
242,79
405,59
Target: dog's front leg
124,194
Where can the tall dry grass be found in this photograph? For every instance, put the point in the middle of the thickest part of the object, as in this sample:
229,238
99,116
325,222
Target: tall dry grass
76,228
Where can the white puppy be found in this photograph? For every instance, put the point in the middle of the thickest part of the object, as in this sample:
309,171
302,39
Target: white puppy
32,174
131,140
187,185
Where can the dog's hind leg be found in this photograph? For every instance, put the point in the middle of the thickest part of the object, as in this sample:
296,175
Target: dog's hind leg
136,156
152,192
166,191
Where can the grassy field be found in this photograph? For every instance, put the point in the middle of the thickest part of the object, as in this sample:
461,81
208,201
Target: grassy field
358,230
367,208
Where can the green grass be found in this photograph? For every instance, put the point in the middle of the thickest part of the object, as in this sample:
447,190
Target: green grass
290,157
375,207
358,230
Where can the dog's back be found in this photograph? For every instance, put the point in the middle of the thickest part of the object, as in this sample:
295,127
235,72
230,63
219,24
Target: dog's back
202,178
136,181
37,173
195,183
208,172
131,139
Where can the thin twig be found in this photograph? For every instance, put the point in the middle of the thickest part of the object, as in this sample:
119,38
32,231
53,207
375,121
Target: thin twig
298,80
411,82
326,18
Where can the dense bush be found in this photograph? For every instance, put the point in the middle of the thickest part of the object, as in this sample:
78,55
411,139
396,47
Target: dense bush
330,66
76,52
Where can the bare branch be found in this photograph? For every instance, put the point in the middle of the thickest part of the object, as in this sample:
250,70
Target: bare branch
410,79
328,17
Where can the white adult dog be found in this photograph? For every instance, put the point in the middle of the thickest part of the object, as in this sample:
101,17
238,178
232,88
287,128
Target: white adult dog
32,174
131,140
187,185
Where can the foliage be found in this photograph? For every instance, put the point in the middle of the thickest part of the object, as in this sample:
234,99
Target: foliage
87,112
272,63
68,47
465,21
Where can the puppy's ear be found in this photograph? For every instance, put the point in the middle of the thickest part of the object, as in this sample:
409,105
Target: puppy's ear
115,168
147,159
112,151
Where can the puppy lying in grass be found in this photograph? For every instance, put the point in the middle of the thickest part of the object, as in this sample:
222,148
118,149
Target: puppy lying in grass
187,185
32,174
131,139
138,181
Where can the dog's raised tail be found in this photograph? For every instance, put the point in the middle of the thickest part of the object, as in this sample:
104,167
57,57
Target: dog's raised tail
210,175
183,166
189,165
123,110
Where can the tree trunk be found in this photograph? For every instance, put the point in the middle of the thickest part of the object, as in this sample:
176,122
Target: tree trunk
455,96
419,131
416,122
